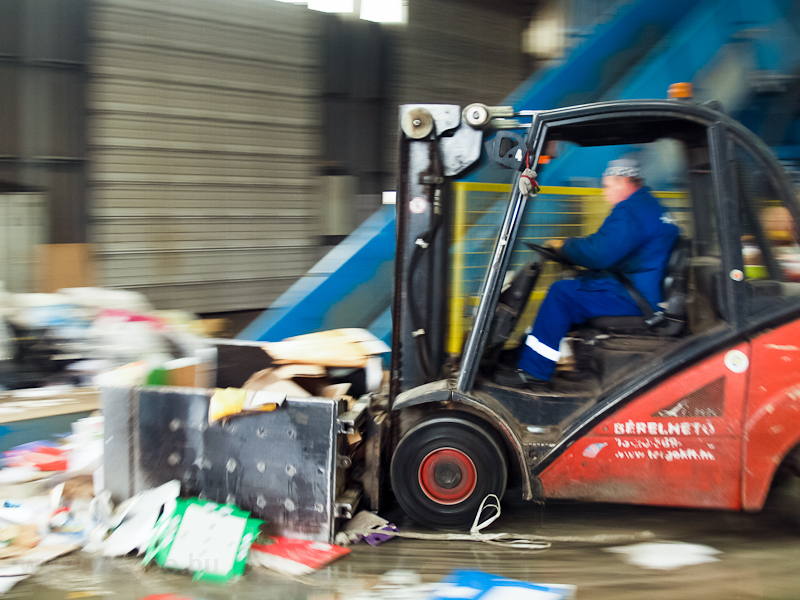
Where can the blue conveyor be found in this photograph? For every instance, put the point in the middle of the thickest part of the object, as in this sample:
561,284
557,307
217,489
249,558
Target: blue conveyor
716,44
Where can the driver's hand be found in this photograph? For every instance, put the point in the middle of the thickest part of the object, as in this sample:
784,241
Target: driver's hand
554,244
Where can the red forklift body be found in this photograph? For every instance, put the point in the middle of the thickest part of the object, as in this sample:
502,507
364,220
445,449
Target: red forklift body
680,444
772,414
745,404
699,411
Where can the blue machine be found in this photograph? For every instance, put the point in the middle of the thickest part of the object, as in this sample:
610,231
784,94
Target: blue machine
350,287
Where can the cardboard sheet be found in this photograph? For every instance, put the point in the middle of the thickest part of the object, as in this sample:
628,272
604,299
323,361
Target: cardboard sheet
64,266
279,380
335,348
42,403
297,381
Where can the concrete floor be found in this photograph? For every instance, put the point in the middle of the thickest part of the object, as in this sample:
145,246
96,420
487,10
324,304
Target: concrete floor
760,560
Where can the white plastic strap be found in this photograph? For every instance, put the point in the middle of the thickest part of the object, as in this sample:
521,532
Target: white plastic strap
476,527
507,540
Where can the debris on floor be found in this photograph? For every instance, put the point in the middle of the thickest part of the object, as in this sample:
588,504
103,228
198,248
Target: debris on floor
294,557
28,466
399,584
482,586
343,363
666,555
23,549
132,523
71,337
211,540
367,527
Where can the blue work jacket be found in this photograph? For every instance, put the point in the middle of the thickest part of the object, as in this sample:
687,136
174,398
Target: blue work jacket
636,239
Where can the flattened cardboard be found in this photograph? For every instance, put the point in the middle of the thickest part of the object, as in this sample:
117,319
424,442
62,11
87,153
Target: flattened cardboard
286,388
182,372
335,348
337,390
268,378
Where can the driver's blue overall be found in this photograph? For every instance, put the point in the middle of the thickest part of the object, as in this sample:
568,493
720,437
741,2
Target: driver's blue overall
636,239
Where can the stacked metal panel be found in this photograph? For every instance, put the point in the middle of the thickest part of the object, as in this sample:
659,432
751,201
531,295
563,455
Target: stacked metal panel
23,226
204,121
460,52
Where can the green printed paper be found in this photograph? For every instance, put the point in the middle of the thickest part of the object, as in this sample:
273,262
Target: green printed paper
211,540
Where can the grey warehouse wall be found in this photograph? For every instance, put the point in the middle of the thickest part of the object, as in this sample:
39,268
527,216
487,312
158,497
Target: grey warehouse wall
42,109
204,137
456,52
211,123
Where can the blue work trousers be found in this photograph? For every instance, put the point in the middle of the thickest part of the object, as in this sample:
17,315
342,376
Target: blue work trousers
570,302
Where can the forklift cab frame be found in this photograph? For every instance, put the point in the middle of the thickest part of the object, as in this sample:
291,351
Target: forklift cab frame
704,422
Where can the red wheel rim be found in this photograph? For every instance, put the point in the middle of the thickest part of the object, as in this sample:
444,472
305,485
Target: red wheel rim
447,476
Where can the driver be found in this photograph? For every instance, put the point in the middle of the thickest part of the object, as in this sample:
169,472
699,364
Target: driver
636,240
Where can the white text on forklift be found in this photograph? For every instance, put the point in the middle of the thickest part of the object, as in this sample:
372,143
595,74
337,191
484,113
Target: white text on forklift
654,428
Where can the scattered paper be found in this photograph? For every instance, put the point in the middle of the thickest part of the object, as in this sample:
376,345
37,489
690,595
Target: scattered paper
134,524
17,540
207,541
22,482
294,557
397,584
25,559
666,555
9,581
31,511
211,540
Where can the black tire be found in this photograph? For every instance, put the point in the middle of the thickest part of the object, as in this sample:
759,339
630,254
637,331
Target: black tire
434,466
784,494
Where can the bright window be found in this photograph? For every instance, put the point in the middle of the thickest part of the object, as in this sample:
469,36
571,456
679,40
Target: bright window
331,6
384,11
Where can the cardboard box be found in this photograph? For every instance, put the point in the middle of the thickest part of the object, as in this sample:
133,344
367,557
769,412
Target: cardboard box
64,266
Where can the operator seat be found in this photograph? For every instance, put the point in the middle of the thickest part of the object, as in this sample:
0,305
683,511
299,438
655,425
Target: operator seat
674,288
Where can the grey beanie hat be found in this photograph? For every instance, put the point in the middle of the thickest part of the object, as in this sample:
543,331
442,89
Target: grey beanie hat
623,167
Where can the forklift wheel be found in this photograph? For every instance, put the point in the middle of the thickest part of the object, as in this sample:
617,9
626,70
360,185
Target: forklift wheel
443,469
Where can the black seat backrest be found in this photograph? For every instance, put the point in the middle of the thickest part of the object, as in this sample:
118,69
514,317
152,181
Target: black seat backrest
708,283
675,286
675,293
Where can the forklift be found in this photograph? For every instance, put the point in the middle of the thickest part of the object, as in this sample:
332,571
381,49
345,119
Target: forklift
696,405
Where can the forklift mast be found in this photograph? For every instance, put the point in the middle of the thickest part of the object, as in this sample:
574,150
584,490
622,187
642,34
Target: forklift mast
435,145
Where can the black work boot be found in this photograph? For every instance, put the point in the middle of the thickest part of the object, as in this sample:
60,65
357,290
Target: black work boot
517,378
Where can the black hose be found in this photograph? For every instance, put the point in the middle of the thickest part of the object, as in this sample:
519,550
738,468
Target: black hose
423,354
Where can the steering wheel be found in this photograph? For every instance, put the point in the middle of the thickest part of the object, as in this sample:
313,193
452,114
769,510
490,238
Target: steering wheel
550,254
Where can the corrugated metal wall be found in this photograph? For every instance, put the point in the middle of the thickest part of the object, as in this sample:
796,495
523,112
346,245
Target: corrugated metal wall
460,52
203,144
456,52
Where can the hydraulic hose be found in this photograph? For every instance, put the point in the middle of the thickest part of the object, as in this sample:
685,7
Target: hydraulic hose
420,325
